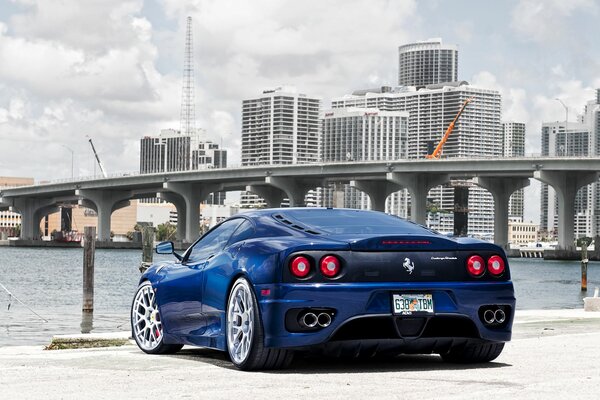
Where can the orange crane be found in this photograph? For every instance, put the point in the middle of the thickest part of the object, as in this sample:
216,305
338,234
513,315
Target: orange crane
438,150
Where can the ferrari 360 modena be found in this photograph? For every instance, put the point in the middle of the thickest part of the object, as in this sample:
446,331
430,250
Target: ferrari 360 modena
267,284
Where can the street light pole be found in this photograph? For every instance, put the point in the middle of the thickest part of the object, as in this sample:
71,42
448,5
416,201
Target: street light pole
566,123
72,157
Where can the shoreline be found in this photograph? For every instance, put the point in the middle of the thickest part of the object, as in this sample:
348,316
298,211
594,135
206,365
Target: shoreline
524,322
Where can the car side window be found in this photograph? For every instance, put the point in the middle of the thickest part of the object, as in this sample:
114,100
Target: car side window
214,241
243,232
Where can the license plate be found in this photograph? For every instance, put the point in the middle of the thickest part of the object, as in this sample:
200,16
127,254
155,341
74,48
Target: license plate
407,304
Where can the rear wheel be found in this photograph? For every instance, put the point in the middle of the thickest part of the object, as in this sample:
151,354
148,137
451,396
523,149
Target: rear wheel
473,353
146,325
245,335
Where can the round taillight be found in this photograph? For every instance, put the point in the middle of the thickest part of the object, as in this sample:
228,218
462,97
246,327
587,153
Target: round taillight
475,265
300,267
496,265
330,266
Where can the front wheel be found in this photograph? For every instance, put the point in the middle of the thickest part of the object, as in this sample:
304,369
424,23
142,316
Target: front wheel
245,336
473,353
146,325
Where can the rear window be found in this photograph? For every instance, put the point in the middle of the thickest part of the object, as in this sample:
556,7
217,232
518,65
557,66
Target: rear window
341,221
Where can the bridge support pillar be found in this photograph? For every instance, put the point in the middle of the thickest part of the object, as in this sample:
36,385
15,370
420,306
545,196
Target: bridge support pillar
193,194
378,191
105,202
296,189
418,185
566,184
32,211
179,204
501,189
270,194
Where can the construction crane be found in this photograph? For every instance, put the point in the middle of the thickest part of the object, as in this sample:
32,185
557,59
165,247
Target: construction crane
97,158
438,150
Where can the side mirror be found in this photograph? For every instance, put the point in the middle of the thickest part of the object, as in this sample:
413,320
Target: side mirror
165,248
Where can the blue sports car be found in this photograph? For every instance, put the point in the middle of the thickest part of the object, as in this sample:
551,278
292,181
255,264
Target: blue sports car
268,283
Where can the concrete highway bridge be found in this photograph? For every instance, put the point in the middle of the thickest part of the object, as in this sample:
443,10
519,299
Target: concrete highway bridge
186,190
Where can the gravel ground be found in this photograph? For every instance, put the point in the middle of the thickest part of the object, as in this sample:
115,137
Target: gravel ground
554,355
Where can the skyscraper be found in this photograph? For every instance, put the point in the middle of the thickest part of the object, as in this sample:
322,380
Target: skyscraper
281,126
513,145
561,140
365,134
172,151
427,62
476,134
580,139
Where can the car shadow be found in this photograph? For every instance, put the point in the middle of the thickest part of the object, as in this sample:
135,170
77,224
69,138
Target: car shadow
309,364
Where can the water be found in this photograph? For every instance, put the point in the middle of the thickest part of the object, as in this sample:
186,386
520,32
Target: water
50,282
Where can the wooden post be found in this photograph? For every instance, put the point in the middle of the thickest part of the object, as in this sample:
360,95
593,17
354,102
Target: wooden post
147,246
584,265
89,248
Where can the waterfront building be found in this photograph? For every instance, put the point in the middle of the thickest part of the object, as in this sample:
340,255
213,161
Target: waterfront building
513,145
522,233
567,140
172,151
364,134
427,62
580,139
478,133
122,221
10,221
280,126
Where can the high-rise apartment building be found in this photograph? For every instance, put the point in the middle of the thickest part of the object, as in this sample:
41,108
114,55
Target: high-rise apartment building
426,63
561,140
281,126
365,134
513,145
581,139
476,134
172,151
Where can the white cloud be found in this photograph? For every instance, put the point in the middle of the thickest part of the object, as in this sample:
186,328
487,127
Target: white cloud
94,25
514,100
545,21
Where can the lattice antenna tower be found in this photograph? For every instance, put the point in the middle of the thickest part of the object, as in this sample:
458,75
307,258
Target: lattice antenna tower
188,106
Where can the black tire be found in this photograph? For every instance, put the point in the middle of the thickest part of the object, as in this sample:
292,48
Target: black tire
145,341
473,353
258,357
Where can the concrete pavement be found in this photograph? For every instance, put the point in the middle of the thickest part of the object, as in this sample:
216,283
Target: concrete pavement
555,355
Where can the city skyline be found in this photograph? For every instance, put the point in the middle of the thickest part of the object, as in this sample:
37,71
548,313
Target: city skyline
115,73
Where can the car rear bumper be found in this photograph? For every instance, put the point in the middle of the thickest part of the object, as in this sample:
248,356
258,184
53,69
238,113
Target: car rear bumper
363,311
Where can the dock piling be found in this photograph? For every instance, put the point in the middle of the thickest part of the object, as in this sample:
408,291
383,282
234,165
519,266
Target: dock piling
89,248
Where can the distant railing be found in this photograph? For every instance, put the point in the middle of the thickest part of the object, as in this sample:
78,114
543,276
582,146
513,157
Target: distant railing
234,166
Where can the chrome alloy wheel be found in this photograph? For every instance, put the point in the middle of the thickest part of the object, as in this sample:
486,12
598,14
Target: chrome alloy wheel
240,321
147,327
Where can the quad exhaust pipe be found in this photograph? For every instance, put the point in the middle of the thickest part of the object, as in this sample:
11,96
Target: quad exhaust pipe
493,316
309,320
312,320
324,320
500,316
488,317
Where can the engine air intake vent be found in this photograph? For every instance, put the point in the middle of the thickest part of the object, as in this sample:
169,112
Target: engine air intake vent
294,225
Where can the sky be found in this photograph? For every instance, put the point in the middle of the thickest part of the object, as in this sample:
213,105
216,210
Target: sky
112,69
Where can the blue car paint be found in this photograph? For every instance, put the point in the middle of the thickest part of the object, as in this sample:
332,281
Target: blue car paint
352,300
192,298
